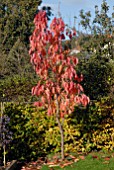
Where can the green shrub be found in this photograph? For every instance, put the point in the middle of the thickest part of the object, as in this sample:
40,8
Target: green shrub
27,141
36,134
86,129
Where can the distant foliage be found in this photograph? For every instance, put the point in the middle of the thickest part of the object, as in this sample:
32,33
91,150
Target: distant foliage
98,77
97,52
17,88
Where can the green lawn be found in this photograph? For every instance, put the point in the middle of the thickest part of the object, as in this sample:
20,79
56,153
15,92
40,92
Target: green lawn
93,161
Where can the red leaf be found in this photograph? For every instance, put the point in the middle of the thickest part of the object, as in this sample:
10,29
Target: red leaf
55,68
74,32
75,60
70,35
56,47
66,33
94,157
73,157
84,99
38,104
43,52
49,112
62,37
107,158
82,157
60,69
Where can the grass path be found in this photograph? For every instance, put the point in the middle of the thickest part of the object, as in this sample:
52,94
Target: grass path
93,161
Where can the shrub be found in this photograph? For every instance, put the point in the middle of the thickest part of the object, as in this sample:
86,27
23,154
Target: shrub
36,134
26,142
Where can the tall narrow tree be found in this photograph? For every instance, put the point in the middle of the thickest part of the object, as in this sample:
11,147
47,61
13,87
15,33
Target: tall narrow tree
58,89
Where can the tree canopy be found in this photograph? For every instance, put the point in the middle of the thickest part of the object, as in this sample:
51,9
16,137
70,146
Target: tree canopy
97,51
16,25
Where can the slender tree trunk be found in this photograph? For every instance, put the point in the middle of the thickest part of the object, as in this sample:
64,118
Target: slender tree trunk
1,115
62,137
4,148
60,128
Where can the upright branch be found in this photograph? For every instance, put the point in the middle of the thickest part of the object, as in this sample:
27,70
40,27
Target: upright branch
58,88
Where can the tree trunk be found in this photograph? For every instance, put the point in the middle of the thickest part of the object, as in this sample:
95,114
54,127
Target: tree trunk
60,128
62,137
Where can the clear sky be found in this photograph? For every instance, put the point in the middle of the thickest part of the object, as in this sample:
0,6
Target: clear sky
71,8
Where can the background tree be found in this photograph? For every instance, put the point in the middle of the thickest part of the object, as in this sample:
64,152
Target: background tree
15,68
15,23
15,28
97,55
99,31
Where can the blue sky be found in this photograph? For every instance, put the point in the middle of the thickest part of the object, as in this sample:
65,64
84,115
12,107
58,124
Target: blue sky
71,8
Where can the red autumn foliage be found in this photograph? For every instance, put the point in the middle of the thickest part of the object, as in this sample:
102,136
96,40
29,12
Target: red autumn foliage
55,67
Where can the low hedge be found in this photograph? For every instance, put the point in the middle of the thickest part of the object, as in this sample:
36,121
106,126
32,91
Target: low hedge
36,134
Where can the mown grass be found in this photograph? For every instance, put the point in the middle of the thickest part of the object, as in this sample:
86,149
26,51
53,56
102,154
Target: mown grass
93,161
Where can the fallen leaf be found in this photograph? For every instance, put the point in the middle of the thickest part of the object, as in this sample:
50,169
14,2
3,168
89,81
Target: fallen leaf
50,163
53,165
33,163
94,156
73,157
66,164
107,158
76,160
82,157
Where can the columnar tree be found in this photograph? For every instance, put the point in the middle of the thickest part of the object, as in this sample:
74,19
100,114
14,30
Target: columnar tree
58,89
